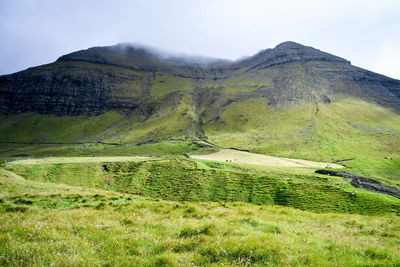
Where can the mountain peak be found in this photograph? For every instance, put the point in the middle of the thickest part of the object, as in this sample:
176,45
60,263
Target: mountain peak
287,52
289,44
141,57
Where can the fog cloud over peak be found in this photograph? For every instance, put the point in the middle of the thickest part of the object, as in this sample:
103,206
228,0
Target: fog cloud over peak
135,49
38,32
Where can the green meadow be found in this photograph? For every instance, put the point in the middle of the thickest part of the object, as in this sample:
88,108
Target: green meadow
46,223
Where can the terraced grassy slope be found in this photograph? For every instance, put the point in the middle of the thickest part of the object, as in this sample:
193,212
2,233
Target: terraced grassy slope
50,224
187,180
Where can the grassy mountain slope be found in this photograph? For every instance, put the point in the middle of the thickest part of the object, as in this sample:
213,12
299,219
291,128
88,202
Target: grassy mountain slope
142,96
343,129
133,95
52,128
366,134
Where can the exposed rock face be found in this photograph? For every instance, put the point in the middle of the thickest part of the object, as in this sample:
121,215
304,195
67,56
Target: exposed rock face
124,78
62,93
364,183
290,52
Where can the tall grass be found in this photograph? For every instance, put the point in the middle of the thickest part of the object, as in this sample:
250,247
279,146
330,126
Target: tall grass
158,233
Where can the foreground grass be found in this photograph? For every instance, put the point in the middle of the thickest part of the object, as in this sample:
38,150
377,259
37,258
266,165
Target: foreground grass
144,232
43,224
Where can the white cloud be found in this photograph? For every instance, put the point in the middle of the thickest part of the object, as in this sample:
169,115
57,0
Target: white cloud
364,32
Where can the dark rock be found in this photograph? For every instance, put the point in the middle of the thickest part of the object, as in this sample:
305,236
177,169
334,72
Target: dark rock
290,52
325,99
364,182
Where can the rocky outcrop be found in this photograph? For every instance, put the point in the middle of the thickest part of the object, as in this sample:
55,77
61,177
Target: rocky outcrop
62,92
289,52
364,182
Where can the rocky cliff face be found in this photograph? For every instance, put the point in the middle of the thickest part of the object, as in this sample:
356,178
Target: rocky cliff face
63,90
124,78
42,92
289,52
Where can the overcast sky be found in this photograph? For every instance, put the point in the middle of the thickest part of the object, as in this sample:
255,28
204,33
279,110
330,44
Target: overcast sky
35,32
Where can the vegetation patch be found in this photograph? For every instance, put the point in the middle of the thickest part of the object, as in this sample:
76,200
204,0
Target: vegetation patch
182,179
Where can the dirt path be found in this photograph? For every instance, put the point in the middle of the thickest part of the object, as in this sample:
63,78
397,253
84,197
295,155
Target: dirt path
229,155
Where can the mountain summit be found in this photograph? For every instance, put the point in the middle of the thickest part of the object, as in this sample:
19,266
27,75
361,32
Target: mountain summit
290,52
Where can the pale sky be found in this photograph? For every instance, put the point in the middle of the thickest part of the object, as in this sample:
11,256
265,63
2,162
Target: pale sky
36,32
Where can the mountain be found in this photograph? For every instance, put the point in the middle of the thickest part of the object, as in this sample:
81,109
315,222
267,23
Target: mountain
212,167
292,100
125,78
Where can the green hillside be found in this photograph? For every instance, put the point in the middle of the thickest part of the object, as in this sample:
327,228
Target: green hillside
365,134
343,129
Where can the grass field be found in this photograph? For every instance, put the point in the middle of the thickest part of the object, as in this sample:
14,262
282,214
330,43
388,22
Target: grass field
50,224
178,211
229,155
163,148
60,160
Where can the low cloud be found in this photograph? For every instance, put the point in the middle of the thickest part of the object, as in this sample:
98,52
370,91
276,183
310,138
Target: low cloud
364,32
